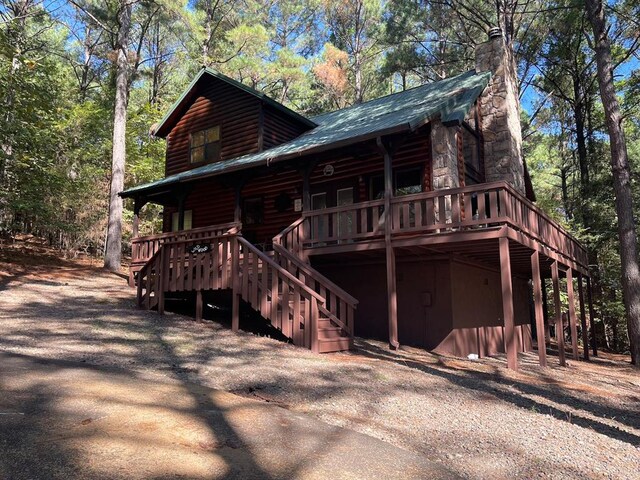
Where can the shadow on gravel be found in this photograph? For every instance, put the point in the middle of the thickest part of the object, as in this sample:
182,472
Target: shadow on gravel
490,384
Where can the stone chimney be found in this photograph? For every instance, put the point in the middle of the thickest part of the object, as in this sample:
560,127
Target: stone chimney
500,113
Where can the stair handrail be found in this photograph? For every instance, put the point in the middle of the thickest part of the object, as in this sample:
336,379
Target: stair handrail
141,274
320,301
329,285
280,238
265,258
159,236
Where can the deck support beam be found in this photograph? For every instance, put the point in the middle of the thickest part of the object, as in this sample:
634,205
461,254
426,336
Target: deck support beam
390,256
181,196
539,315
235,285
592,321
583,318
555,277
137,206
199,305
510,341
545,312
573,327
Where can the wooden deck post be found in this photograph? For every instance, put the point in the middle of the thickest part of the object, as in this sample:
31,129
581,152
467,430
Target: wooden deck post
573,324
510,340
583,318
137,206
199,305
162,271
545,312
537,299
181,200
235,284
390,256
592,321
558,312
237,210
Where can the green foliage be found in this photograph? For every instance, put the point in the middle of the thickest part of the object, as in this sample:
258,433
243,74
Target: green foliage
57,89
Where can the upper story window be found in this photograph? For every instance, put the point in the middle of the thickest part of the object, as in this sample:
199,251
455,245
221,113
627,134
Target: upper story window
205,145
473,168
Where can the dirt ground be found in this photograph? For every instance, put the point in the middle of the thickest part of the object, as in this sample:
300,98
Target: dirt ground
476,419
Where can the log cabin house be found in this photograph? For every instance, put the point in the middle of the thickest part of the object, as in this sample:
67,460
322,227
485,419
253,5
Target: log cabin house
408,218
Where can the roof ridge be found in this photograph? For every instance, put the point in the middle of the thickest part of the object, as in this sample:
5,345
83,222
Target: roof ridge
428,84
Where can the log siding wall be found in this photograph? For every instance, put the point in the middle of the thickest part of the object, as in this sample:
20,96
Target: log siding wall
235,111
278,129
212,202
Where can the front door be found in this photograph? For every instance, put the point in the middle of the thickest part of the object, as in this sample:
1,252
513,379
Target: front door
344,196
327,196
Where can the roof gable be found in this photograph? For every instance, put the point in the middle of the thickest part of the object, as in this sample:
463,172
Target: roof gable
172,117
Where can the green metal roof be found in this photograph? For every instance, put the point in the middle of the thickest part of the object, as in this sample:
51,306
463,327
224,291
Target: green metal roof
450,99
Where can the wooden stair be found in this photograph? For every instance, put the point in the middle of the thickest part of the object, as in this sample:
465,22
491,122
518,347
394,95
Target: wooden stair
293,297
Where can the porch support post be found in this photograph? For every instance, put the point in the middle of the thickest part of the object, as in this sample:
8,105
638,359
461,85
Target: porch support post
137,206
237,210
572,315
181,199
164,271
594,343
558,312
198,305
545,312
510,341
583,318
392,293
537,299
235,284
306,187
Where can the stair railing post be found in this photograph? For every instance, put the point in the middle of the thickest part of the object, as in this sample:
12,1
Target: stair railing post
235,283
139,292
315,344
161,273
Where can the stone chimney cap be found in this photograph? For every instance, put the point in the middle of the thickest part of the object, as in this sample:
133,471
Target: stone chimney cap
495,32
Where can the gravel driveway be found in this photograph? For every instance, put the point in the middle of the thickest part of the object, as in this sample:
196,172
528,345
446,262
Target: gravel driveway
477,418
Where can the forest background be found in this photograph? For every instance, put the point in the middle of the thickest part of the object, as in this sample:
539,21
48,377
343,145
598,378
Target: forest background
59,78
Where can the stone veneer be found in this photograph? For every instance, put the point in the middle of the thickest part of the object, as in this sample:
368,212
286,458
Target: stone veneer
500,114
444,152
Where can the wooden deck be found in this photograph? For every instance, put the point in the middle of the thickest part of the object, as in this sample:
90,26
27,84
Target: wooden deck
490,223
305,306
454,216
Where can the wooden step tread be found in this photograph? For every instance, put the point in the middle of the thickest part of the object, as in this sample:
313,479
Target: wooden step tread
327,345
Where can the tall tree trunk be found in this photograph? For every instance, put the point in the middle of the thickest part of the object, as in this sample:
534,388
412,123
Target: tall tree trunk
113,250
621,177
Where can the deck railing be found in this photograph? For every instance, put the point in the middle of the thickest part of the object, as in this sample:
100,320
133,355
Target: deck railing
143,248
473,207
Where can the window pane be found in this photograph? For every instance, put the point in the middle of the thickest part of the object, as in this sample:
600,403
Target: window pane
197,139
376,187
213,135
197,155
470,154
318,201
252,211
408,181
174,222
212,152
188,219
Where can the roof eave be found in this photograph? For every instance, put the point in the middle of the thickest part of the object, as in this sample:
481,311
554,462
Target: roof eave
140,190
